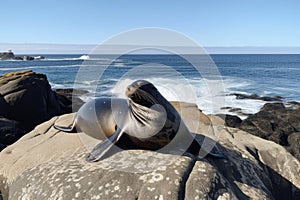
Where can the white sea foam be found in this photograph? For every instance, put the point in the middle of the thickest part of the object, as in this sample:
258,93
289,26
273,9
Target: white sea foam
199,93
56,86
119,64
86,98
84,57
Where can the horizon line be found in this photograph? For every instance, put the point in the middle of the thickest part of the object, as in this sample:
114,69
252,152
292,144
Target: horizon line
78,44
56,48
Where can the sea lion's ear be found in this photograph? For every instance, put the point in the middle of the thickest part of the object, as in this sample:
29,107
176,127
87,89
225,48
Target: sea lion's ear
102,148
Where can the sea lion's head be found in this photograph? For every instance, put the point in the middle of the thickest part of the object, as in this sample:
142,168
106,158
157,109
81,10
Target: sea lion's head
146,105
158,121
143,93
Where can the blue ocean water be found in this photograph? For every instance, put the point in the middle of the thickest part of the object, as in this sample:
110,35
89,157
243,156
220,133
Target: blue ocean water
263,74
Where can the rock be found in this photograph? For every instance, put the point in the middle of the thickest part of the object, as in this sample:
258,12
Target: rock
11,56
18,58
28,58
2,146
26,98
277,123
47,164
256,97
7,55
294,104
232,120
294,141
10,131
73,95
24,58
237,111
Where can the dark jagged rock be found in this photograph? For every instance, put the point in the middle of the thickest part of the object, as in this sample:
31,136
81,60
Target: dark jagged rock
26,99
18,58
28,58
10,131
256,97
277,123
73,95
232,121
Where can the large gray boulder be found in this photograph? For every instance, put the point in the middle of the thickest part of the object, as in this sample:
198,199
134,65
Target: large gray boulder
49,164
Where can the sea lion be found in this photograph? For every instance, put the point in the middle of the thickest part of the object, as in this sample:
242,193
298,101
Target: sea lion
147,118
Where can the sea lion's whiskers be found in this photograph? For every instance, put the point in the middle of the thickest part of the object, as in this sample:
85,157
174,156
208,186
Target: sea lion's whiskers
141,111
141,118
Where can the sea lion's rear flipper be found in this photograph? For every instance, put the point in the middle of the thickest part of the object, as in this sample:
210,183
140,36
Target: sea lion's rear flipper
197,149
217,155
102,148
70,129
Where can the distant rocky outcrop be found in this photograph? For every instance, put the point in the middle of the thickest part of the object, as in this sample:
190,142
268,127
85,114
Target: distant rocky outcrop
48,164
7,56
26,100
257,97
11,56
273,122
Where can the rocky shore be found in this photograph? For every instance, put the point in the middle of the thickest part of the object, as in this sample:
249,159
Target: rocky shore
274,122
39,162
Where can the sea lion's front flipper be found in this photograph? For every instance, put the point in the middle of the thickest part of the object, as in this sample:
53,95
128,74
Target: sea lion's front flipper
102,148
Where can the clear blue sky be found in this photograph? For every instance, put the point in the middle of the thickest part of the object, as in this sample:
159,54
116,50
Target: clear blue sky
209,22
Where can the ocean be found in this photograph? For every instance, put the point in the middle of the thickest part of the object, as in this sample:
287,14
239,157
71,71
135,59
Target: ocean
261,74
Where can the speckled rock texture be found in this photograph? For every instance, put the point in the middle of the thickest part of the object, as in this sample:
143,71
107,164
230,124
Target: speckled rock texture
49,164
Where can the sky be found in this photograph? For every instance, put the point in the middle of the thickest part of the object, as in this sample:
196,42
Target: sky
221,23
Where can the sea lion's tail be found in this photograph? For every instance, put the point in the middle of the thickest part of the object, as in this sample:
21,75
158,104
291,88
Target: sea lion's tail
70,129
